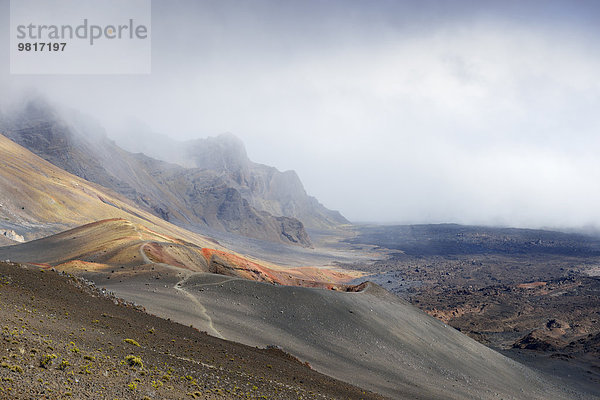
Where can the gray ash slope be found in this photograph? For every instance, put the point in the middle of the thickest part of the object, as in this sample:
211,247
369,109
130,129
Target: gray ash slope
371,338
237,197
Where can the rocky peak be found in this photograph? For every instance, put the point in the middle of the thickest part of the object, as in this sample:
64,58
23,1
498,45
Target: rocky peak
264,187
224,152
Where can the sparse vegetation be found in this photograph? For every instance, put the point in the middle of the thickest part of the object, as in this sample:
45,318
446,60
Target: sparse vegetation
134,361
46,360
132,342
156,384
85,370
14,368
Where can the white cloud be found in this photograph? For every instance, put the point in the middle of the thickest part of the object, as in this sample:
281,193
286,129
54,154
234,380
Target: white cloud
479,119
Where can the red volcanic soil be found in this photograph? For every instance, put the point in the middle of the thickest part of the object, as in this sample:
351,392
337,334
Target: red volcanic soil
531,285
157,252
225,263
42,265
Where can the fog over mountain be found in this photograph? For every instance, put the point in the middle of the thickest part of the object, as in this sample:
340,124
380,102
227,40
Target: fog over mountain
394,111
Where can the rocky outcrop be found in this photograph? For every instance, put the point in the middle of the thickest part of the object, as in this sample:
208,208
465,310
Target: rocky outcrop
547,338
265,188
538,340
293,230
12,236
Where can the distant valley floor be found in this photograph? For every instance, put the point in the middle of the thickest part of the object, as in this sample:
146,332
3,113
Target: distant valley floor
533,295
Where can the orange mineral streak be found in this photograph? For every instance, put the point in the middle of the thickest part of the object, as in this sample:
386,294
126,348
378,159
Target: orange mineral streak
43,265
225,263
157,253
531,285
155,234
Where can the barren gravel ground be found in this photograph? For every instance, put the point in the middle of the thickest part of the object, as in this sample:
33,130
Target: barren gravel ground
63,339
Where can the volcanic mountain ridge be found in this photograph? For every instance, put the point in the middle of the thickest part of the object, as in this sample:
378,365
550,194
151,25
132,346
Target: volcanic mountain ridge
237,197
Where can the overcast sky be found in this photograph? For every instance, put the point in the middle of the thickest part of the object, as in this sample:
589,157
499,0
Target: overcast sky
390,111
